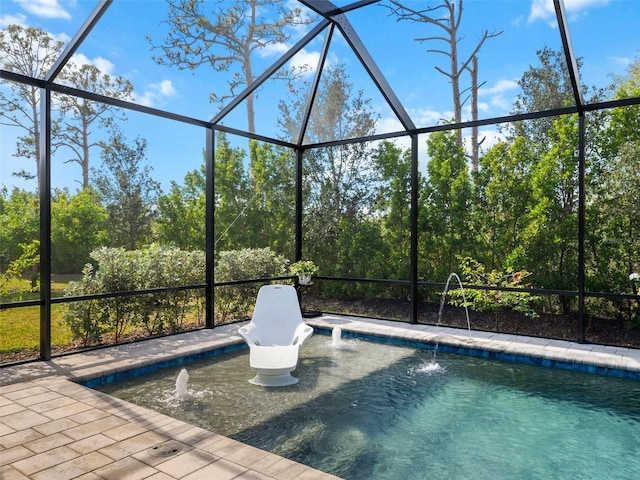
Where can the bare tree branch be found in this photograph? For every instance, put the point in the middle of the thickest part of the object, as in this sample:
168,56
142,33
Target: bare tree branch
449,22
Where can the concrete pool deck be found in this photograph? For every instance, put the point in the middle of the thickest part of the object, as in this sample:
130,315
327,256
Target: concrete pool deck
51,427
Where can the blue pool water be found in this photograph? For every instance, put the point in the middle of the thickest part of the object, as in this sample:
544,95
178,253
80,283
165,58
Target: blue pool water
375,411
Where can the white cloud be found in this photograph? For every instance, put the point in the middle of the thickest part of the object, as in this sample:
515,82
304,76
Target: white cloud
621,61
104,65
499,87
166,88
545,11
488,137
305,61
485,107
273,49
388,125
44,8
576,5
541,10
156,93
60,37
423,117
499,95
18,19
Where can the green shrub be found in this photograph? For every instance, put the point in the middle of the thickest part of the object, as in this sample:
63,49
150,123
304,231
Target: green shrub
83,317
234,302
119,270
475,273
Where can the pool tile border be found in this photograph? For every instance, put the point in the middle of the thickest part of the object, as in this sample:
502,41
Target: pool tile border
94,382
617,362
541,352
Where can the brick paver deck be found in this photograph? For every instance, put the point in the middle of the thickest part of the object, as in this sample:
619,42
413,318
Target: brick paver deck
53,428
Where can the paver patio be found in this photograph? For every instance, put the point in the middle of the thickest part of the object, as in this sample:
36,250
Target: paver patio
54,428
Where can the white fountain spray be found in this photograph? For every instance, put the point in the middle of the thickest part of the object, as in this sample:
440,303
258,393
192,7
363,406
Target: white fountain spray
442,302
182,383
336,337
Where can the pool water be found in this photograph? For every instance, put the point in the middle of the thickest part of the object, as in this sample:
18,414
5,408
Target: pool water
377,411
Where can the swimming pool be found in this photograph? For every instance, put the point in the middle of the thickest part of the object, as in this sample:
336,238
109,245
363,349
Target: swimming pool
375,411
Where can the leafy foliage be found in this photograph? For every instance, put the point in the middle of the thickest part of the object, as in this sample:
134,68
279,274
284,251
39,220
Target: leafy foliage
236,301
303,267
127,190
25,264
517,214
181,213
118,270
474,273
78,226
20,222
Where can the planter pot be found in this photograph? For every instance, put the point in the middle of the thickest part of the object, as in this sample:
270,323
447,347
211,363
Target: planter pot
304,279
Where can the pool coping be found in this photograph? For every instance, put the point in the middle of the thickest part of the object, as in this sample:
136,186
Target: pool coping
51,426
608,360
84,366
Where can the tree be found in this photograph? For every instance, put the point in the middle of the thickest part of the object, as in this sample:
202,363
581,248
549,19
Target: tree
78,226
31,52
393,166
339,182
502,199
232,196
271,213
445,218
546,86
127,190
450,24
253,213
19,221
226,39
613,216
75,132
181,213
623,124
551,237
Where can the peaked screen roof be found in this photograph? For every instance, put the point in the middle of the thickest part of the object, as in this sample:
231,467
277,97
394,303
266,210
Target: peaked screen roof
397,53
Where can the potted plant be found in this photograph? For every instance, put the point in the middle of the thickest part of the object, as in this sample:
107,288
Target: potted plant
304,269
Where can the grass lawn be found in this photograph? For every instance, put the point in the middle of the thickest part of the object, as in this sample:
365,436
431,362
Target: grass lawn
20,327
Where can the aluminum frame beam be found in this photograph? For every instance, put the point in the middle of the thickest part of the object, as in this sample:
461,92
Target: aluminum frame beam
572,63
75,42
331,12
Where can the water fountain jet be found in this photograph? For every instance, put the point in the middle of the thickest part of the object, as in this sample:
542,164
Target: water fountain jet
442,302
336,337
182,383
444,296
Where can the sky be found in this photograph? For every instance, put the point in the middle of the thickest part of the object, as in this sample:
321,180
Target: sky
604,34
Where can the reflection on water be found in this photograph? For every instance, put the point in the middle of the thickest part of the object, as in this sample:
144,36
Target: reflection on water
367,410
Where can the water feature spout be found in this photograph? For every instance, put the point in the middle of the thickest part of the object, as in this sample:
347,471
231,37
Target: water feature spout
336,337
442,301
444,296
181,383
